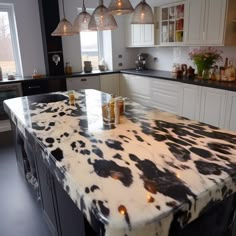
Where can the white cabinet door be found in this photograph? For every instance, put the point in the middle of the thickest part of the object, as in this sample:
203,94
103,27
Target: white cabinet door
148,35
142,35
136,34
88,82
190,101
110,83
215,21
166,95
230,120
137,88
194,22
205,22
213,107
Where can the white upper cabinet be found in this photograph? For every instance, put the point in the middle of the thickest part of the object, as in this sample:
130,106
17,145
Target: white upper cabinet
172,24
215,21
210,22
142,35
194,21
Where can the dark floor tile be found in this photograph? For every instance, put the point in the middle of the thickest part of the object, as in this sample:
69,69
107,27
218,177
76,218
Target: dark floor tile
20,214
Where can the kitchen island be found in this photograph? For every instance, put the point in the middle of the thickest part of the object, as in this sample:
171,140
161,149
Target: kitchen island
155,173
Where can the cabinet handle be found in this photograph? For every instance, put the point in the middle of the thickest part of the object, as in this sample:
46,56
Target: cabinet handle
34,87
83,80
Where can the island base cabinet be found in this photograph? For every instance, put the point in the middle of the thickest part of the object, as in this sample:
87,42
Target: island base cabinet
47,194
71,219
62,215
218,220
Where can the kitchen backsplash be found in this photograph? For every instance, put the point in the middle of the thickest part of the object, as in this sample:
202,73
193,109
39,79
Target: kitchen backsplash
166,56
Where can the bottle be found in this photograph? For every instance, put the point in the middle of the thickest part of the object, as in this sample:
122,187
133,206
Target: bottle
226,62
0,73
68,68
112,109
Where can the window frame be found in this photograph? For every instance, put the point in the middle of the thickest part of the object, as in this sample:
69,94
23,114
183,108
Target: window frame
99,36
9,8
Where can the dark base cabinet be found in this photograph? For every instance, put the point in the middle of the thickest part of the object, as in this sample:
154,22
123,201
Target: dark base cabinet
38,86
219,220
62,215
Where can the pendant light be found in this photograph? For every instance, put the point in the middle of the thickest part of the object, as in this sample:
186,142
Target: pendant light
120,7
142,14
101,20
64,28
81,21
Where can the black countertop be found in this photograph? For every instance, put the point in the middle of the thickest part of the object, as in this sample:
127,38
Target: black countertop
167,75
23,79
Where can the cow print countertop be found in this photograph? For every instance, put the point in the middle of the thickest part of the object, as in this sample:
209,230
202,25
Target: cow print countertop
138,177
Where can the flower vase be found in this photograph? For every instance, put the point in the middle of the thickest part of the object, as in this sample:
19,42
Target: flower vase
205,73
200,70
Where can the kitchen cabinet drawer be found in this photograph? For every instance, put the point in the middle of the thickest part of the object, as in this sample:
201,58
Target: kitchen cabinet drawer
137,88
32,87
110,83
166,95
86,82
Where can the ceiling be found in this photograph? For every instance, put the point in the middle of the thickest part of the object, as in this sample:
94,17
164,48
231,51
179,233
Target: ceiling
94,3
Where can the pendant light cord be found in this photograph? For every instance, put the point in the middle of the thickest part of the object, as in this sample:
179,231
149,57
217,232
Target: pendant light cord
63,7
83,9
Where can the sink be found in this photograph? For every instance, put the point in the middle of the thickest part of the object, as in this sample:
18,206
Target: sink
47,98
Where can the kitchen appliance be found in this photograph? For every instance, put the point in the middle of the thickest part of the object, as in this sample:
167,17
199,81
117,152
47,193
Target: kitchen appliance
141,62
7,91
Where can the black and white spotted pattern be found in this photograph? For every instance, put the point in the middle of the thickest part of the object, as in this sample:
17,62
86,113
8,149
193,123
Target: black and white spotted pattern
134,177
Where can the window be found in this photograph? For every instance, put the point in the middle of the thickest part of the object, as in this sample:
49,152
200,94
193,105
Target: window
9,53
91,46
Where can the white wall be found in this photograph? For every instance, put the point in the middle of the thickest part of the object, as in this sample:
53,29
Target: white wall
29,34
71,44
166,56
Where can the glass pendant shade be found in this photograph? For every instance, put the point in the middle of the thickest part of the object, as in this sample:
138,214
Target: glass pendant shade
142,14
81,21
120,7
101,20
64,28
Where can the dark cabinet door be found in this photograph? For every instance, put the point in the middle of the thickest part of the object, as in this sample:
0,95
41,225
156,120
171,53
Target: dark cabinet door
33,87
71,219
46,190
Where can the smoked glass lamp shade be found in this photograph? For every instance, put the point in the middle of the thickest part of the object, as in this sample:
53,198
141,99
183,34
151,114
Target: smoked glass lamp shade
64,28
142,14
120,7
101,20
81,22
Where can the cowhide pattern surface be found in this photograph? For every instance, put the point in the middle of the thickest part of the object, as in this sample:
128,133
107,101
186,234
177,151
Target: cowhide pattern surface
137,177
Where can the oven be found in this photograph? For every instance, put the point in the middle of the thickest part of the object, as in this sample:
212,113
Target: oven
7,91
